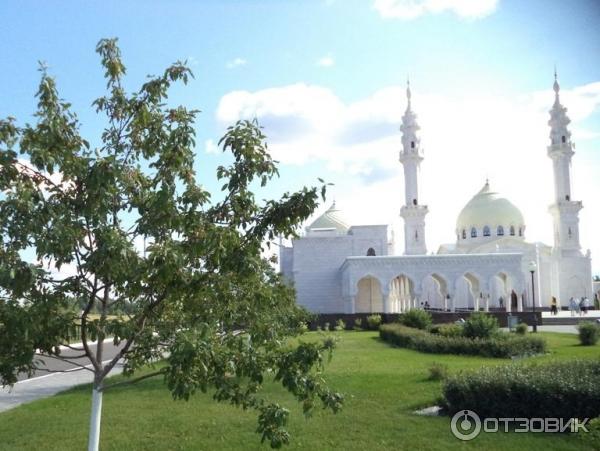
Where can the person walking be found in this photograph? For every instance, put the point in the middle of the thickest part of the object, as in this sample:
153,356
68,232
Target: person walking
586,305
572,306
553,307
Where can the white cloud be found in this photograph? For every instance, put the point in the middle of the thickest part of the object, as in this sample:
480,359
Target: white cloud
236,62
192,61
465,140
211,147
411,9
325,61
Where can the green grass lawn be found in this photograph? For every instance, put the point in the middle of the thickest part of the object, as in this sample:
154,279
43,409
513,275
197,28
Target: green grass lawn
383,386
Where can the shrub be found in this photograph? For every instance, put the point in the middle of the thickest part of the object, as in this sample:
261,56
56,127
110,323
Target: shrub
567,389
340,325
592,437
358,324
588,333
521,329
502,345
374,321
419,319
480,325
448,330
438,371
302,327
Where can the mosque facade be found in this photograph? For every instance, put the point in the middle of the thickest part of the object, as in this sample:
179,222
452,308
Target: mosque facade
337,268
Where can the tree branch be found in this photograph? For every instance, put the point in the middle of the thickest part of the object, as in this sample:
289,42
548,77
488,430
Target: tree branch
140,325
137,379
84,315
75,364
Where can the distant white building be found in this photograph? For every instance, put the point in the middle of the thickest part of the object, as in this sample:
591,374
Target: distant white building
337,268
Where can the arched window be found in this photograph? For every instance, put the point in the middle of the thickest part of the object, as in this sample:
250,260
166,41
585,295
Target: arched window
464,234
473,232
412,144
512,231
500,231
520,231
486,231
570,233
414,201
371,252
567,197
564,139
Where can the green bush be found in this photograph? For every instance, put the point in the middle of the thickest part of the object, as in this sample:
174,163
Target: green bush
447,330
302,327
592,437
340,325
438,371
521,329
588,333
480,325
358,324
559,389
374,321
419,319
502,345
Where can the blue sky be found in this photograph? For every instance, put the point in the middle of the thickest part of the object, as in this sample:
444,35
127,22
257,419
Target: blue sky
327,78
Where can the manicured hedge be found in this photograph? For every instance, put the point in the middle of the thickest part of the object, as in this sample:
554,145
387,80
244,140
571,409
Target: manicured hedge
548,390
417,318
501,345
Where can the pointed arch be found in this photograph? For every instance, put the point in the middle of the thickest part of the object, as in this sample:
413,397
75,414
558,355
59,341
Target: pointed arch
369,296
434,288
467,289
401,293
501,286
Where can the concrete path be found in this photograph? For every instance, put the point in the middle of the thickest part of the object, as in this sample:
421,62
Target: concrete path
43,384
566,329
564,314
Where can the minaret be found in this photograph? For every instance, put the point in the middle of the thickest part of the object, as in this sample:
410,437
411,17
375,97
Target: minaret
564,210
411,156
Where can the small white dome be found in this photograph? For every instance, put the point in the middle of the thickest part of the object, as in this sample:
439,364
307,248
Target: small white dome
487,208
332,219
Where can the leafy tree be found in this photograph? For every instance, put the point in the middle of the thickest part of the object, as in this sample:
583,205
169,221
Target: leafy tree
198,295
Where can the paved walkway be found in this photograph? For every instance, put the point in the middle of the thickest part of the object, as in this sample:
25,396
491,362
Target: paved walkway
43,384
592,314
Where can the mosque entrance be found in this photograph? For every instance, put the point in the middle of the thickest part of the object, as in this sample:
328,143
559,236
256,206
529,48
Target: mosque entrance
369,297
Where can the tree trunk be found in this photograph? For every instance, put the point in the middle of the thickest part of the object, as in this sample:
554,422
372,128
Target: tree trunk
94,437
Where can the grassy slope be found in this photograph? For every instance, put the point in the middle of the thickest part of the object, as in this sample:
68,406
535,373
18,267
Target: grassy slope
383,386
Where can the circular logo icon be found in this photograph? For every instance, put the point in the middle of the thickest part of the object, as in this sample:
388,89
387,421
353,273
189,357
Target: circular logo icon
465,425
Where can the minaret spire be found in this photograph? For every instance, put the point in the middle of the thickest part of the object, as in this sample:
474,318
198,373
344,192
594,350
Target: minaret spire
411,156
564,210
556,88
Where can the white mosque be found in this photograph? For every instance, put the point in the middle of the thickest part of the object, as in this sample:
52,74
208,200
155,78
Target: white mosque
337,268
